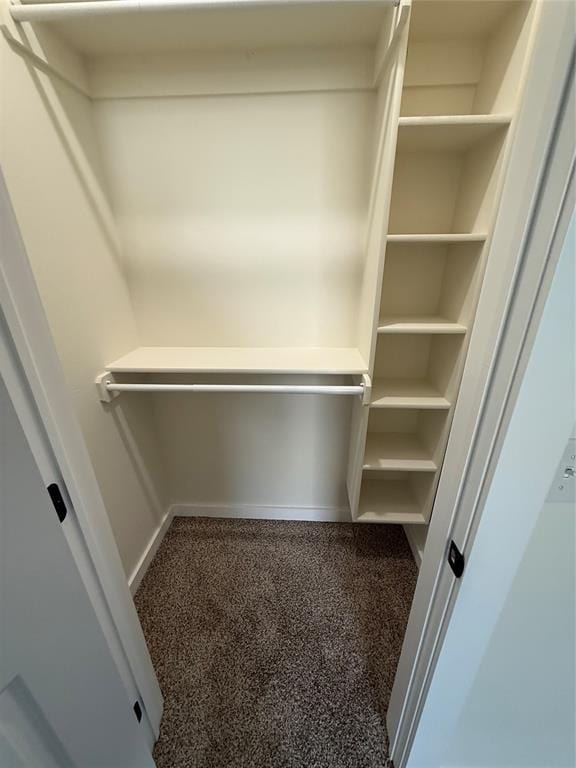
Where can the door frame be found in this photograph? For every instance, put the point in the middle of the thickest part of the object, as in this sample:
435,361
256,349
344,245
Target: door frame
37,386
537,201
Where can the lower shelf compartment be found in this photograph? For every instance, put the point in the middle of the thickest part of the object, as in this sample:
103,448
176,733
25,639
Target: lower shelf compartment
390,451
400,497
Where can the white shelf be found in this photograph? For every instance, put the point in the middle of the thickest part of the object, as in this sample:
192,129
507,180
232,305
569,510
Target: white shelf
454,133
389,501
406,393
239,27
300,360
396,451
456,237
424,324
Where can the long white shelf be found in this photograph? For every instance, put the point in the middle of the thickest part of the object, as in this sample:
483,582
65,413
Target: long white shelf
296,360
448,133
397,451
407,393
453,237
105,28
388,502
419,324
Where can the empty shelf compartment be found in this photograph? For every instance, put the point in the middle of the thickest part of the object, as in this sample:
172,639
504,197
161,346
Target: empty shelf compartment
460,54
429,287
406,393
428,362
404,440
446,190
397,451
398,497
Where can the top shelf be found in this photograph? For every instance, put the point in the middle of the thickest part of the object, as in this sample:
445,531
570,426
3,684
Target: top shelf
288,360
215,26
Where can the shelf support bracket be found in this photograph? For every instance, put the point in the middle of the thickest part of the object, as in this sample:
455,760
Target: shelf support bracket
105,395
367,384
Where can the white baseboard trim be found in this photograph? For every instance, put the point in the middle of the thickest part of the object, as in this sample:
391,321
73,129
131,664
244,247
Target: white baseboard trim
416,535
256,512
148,555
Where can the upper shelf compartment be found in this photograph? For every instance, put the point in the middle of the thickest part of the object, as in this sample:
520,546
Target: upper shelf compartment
465,57
320,360
121,27
446,187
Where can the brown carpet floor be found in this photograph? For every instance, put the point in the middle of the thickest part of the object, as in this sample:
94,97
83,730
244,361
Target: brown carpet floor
276,643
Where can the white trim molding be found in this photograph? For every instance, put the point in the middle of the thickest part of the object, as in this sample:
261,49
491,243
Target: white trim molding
149,552
257,512
416,540
231,512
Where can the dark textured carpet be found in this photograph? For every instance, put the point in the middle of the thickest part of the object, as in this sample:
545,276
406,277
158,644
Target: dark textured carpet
276,643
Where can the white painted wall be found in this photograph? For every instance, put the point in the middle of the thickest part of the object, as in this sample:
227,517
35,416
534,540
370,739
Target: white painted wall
242,217
503,691
49,157
248,449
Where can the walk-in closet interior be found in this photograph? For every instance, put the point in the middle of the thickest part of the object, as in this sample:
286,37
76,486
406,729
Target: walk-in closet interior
259,233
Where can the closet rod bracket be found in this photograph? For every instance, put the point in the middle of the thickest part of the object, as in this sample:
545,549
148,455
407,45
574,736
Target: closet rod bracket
367,389
102,381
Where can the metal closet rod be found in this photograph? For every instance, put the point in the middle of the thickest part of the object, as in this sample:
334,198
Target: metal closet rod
84,8
357,389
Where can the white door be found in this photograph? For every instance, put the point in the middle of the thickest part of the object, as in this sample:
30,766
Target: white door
62,701
503,691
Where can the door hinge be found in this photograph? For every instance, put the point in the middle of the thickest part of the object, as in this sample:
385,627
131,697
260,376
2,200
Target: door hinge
456,560
58,501
137,710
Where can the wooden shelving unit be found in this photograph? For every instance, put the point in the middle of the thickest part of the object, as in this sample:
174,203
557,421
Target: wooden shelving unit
457,102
